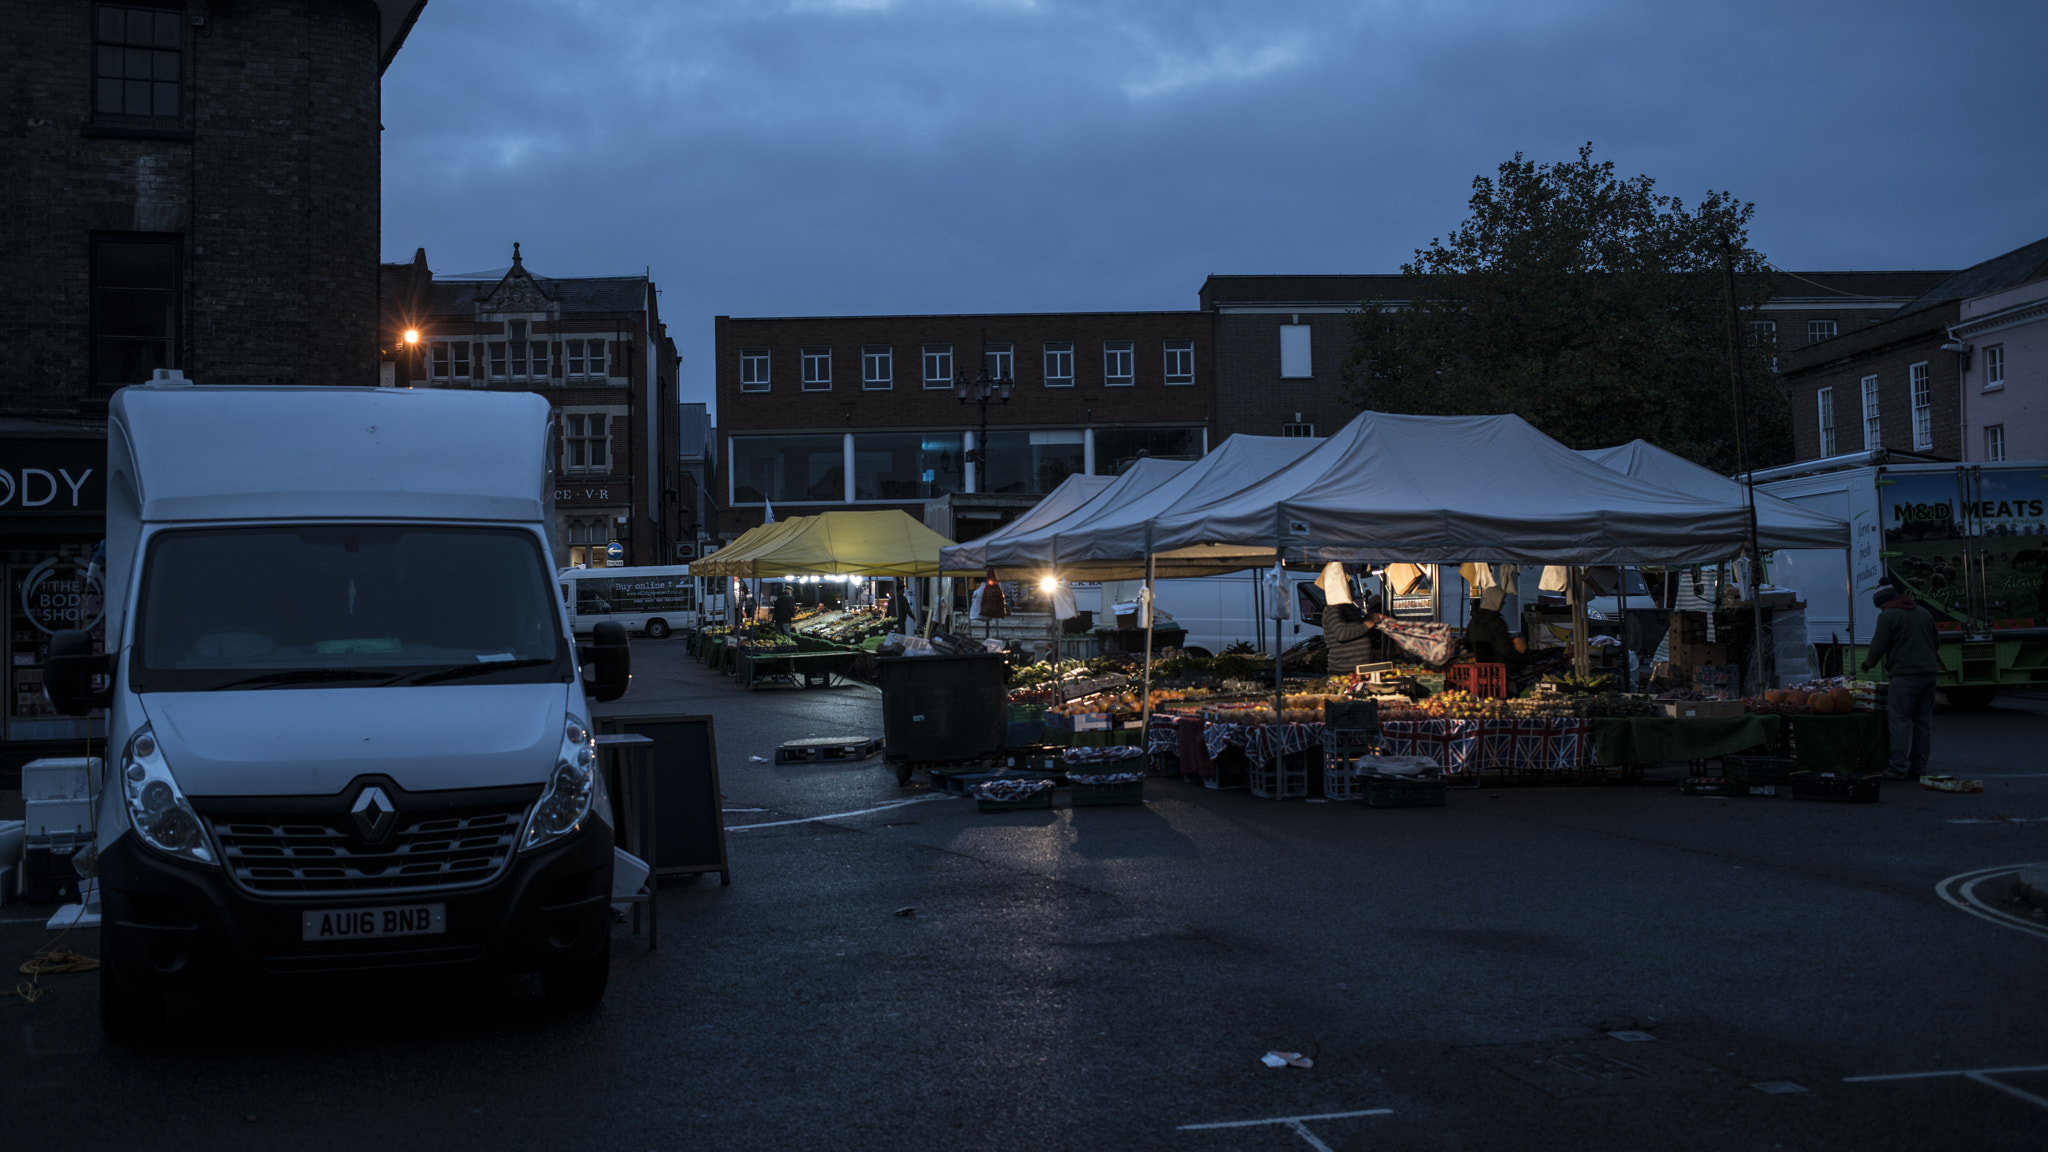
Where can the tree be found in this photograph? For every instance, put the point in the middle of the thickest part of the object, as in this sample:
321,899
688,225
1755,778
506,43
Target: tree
1589,305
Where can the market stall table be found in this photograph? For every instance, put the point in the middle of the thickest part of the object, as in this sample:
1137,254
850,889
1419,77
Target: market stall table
1857,744
1656,739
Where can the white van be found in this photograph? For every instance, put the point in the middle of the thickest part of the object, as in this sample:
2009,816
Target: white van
1218,611
347,721
657,599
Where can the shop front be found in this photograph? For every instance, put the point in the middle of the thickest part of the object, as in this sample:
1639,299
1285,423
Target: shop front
53,506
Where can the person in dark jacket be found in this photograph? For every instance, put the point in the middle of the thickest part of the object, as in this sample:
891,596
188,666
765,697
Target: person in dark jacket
784,608
1347,634
1487,635
1906,641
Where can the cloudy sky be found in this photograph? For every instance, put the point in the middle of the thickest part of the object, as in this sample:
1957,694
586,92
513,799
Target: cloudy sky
800,157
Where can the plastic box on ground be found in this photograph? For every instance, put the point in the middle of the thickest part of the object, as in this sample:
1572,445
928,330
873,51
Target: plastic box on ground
58,818
1384,793
1844,789
69,778
1759,769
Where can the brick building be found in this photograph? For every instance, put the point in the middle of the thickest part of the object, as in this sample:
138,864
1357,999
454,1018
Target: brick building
1896,381
597,349
825,412
2005,372
189,185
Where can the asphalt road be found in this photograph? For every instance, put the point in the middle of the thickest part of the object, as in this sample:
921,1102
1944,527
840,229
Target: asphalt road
1104,978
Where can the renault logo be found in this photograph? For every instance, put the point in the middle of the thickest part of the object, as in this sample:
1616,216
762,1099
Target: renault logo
373,813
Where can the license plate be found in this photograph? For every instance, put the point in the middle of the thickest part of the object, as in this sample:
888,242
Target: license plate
370,923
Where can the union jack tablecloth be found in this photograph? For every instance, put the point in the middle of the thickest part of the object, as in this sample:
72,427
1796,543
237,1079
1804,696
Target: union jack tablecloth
1260,741
1462,746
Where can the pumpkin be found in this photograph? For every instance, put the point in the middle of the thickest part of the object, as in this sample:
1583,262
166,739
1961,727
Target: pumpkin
1845,701
1775,696
1822,704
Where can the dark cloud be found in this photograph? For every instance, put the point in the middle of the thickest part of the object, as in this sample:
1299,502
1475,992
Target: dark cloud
857,156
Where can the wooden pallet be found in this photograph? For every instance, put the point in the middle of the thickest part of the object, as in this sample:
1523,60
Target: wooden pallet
816,748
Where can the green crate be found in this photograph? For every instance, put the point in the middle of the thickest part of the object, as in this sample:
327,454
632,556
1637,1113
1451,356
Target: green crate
1841,789
1093,795
1406,793
1759,769
1025,713
1040,800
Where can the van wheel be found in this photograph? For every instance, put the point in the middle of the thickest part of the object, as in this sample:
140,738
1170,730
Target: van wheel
657,629
574,987
126,1017
1972,699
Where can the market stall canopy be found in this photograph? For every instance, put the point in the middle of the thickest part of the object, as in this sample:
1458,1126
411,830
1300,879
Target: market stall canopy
888,542
1779,522
732,559
1109,541
1447,489
1072,492
1027,554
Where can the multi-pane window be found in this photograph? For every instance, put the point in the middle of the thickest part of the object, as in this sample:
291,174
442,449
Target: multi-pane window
1059,364
584,358
439,351
1763,332
1119,367
1923,407
1825,399
1994,366
1994,442
584,441
451,359
999,361
753,369
1819,330
1298,430
938,365
519,358
877,367
1180,361
135,61
135,307
1871,437
817,369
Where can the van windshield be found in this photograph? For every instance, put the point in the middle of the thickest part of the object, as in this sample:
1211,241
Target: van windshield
346,606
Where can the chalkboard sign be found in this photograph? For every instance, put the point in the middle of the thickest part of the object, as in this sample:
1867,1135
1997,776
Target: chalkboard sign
689,825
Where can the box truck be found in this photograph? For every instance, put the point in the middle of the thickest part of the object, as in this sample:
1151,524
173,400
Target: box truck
348,726
1969,541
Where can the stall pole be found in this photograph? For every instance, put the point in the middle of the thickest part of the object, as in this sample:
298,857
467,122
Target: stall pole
1849,566
1582,652
1756,555
1145,707
1628,667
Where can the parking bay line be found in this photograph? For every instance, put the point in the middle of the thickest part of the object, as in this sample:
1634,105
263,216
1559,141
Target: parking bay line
835,815
1960,891
1297,1123
1987,1076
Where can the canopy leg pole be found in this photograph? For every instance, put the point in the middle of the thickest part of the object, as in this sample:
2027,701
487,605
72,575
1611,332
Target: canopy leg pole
1628,667
1758,658
1849,567
1582,649
1145,708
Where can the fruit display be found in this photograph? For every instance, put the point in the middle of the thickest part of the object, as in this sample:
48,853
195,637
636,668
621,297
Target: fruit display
1836,696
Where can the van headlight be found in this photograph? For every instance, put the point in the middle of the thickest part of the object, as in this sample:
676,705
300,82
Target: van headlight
157,810
572,788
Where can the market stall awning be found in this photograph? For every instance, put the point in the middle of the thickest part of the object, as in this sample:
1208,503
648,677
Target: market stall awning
1072,493
888,542
1447,489
1029,553
1779,522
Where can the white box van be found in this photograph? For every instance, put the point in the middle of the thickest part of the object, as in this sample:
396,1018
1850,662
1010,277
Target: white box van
654,599
347,721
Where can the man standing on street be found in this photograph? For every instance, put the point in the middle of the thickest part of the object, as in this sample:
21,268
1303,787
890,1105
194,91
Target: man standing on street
784,609
1905,640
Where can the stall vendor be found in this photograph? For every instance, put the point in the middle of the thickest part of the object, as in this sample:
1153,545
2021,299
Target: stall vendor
1347,629
1487,633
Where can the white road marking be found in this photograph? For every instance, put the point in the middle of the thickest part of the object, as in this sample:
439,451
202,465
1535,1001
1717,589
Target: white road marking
1999,820
835,815
1298,1124
1986,1076
1961,891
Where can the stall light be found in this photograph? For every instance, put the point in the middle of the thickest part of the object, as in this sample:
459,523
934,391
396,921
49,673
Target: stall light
1049,584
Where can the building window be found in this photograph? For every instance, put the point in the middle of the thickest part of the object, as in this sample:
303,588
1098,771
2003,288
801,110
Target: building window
907,465
136,62
440,353
753,369
584,441
788,469
1871,437
1923,408
1764,334
817,369
1118,448
1819,330
1294,352
497,351
877,367
1994,442
1994,367
459,359
519,358
135,307
1180,361
1302,430
999,361
1119,369
1825,399
1031,462
1059,365
938,365
585,358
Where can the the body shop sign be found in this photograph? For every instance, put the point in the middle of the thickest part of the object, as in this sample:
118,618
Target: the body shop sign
53,477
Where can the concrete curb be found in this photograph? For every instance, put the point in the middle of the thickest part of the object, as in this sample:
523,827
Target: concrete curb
2033,885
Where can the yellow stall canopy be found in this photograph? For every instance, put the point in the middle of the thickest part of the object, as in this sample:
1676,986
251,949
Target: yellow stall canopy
882,543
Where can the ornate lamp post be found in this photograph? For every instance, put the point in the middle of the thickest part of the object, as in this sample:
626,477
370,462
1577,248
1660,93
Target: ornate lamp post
981,390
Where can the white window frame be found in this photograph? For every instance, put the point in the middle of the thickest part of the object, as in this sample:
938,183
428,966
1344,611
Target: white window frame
575,434
1059,364
1302,429
495,349
1873,428
595,364
817,364
1994,367
1994,442
877,367
999,361
754,373
1179,356
1824,403
1119,363
1819,330
459,349
1923,407
938,366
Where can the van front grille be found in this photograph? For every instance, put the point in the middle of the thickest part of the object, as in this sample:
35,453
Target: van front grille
317,854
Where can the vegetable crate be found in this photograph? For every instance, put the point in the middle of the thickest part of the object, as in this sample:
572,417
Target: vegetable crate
1758,769
1477,679
1826,786
1382,792
1344,770
1093,795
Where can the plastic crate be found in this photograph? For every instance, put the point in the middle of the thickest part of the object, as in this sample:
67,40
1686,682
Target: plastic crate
1478,679
1381,792
1352,716
1349,740
1843,789
1093,795
1040,800
1284,777
1759,769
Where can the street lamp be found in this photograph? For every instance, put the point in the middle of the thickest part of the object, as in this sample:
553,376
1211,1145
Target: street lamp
981,390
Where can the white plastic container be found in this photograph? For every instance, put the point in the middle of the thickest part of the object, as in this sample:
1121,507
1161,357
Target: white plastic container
48,818
59,779
629,872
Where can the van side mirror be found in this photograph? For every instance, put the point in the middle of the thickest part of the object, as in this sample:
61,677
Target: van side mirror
608,660
68,675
